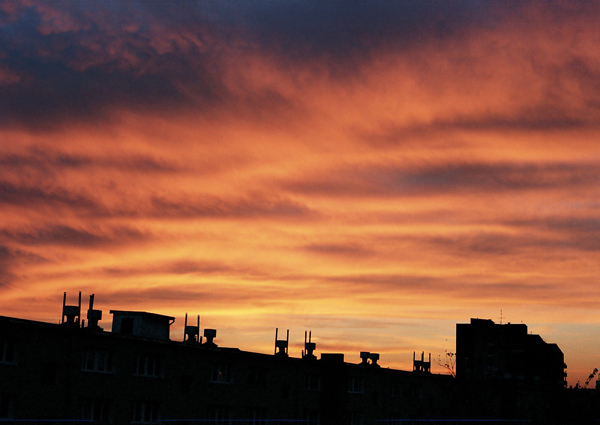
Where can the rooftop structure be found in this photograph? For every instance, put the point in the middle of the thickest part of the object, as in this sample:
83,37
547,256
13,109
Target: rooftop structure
141,324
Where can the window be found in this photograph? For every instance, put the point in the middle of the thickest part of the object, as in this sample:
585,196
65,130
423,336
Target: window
355,385
145,412
312,382
221,373
7,351
149,365
5,406
97,361
218,415
96,411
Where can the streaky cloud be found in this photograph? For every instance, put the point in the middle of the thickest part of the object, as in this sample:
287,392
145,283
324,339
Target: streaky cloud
50,162
12,261
467,287
29,196
342,250
150,204
6,277
63,235
207,207
522,121
575,233
444,178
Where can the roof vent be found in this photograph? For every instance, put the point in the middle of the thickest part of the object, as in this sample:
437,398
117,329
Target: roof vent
210,334
374,359
369,359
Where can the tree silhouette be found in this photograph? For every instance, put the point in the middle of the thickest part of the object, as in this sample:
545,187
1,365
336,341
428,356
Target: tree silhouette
592,376
448,362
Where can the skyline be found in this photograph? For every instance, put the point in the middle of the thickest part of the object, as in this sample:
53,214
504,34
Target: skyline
373,173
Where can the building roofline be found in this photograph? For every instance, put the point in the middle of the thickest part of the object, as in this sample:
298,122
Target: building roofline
141,313
27,321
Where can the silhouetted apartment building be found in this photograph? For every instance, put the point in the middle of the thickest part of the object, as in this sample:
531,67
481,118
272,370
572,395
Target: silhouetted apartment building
486,351
136,375
502,372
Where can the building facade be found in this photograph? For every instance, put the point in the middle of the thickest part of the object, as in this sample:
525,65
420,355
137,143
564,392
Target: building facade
76,372
136,374
488,351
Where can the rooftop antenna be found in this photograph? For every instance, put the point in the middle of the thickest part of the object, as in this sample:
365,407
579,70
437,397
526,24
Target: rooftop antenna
191,333
281,345
71,312
421,365
309,347
94,316
500,316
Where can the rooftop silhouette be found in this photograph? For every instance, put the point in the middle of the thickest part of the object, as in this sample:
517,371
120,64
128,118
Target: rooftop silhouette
136,374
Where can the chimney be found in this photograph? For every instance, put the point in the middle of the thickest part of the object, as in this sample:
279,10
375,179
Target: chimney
210,334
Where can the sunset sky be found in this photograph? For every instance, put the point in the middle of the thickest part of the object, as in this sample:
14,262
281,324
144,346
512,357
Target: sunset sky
375,172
